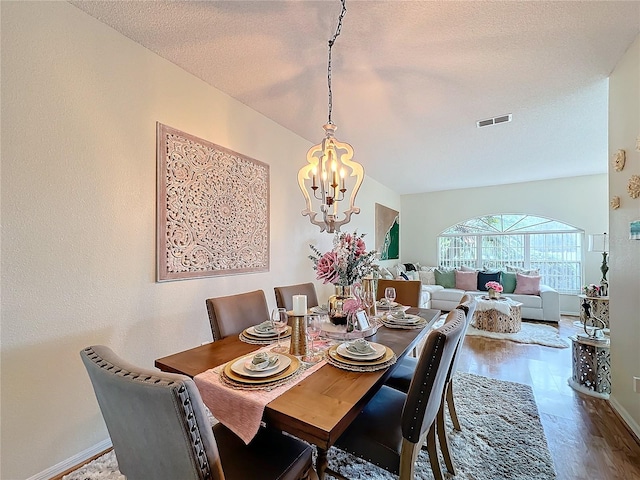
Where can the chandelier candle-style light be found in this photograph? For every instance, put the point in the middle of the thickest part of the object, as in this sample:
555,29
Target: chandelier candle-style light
326,178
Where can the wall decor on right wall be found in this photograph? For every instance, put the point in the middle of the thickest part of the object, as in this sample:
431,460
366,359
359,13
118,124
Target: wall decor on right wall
615,202
619,159
634,186
634,230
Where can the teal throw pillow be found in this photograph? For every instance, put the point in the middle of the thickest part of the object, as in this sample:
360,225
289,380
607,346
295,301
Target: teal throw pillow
508,282
446,278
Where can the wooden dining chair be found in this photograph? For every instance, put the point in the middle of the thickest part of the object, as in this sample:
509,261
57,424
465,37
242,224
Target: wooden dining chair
402,375
284,295
160,430
407,291
230,315
392,426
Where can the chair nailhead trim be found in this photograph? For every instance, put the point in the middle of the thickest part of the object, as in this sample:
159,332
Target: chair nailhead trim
183,398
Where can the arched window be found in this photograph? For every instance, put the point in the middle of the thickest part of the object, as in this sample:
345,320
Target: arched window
525,241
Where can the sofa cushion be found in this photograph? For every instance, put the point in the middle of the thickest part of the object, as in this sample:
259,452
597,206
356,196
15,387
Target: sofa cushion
484,277
385,273
466,280
427,277
508,281
446,278
464,268
447,294
403,276
528,301
527,284
524,271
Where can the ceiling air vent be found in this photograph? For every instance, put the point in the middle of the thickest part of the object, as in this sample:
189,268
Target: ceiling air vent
494,120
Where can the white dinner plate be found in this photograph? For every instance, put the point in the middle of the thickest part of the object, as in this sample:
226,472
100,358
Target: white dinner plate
256,333
239,367
409,319
387,305
248,364
379,351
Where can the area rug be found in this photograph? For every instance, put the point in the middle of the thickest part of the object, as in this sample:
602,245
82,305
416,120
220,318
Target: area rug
501,438
535,333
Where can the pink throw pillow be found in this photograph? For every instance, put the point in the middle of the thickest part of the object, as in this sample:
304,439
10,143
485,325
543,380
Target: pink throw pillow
467,281
527,284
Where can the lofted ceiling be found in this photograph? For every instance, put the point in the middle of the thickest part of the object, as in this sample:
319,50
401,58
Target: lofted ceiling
410,78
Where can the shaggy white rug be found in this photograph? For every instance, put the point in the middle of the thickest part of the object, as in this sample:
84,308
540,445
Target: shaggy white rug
529,333
501,438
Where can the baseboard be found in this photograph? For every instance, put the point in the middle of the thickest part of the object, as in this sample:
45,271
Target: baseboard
71,462
622,413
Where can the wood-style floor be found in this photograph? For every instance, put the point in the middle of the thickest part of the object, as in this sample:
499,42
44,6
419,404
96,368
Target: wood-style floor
586,438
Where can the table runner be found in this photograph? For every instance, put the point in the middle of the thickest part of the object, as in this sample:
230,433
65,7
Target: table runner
502,306
241,410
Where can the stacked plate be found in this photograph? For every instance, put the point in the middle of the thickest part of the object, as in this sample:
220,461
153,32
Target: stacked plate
258,334
245,370
403,320
384,305
376,357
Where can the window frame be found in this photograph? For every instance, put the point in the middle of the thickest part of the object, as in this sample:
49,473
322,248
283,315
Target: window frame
532,226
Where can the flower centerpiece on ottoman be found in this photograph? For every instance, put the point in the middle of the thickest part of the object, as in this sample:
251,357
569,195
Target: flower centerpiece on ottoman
343,266
493,289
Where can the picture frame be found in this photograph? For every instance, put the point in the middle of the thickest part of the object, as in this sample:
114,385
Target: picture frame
362,320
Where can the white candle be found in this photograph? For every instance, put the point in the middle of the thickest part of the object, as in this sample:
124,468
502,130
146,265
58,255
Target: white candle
299,305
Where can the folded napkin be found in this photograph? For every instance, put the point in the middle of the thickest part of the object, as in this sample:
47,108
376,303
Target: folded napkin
262,360
360,346
399,315
265,327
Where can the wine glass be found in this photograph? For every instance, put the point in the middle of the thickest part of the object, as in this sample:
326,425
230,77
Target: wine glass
279,320
313,332
368,300
390,295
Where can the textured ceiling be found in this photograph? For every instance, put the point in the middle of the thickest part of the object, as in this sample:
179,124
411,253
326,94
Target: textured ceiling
410,78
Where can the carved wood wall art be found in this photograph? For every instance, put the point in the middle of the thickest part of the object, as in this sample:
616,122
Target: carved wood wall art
212,209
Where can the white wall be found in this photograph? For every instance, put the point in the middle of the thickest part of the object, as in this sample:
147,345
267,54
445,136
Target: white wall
578,201
80,104
624,276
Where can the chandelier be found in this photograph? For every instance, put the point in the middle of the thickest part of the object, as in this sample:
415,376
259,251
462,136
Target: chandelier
327,179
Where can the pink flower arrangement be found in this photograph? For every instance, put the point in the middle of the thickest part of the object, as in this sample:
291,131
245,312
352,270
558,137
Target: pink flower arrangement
493,286
346,263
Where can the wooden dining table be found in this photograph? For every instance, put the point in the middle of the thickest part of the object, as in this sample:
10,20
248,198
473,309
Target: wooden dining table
319,408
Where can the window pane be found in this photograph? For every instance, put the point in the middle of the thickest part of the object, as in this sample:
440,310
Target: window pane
495,241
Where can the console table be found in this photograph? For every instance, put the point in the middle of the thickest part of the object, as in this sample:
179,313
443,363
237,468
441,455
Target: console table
591,366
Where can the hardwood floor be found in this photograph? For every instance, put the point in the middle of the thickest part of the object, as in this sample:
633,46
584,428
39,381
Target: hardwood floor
586,438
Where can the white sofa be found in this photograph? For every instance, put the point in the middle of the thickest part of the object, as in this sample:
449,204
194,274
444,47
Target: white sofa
544,306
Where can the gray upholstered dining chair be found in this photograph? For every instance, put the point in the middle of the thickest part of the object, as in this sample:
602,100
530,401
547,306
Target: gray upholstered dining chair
402,375
392,426
159,429
407,291
284,295
230,315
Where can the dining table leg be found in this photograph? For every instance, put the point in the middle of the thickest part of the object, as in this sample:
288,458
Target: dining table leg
321,462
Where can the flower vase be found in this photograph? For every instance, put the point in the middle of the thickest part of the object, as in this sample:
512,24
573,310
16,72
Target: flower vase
493,294
336,301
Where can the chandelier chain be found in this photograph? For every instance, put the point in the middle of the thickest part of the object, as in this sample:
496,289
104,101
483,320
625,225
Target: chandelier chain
331,42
